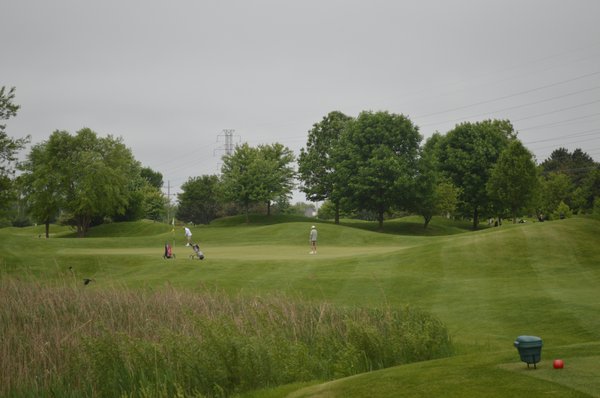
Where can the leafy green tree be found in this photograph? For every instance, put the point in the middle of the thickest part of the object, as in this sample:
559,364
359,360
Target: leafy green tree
446,195
145,197
467,155
590,188
430,196
279,179
327,211
316,167
576,165
154,178
41,186
241,177
513,179
425,200
199,201
155,203
554,189
9,147
93,175
582,171
257,175
135,208
377,158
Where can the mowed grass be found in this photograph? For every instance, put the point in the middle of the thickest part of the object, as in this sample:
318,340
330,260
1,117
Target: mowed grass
487,286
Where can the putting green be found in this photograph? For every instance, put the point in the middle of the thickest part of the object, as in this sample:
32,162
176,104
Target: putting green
251,252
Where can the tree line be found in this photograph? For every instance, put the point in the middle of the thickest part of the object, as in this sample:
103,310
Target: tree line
373,166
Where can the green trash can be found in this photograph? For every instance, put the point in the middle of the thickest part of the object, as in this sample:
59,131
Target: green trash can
530,349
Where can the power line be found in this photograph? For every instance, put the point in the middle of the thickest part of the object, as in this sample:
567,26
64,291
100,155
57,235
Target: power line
560,122
580,134
510,95
512,107
556,110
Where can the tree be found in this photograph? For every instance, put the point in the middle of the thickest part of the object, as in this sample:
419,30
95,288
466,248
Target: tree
199,201
9,147
590,188
241,176
155,203
41,188
446,195
154,178
579,167
279,180
92,175
433,193
513,179
377,158
316,168
468,153
143,201
576,165
554,189
425,201
257,175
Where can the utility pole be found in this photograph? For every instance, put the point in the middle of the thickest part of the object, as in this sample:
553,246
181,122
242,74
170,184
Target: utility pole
169,203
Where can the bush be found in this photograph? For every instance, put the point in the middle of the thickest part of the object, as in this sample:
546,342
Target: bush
562,211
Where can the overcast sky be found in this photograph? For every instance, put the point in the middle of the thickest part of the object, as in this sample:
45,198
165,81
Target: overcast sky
169,76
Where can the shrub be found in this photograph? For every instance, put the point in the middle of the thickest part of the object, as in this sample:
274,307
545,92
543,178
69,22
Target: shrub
562,211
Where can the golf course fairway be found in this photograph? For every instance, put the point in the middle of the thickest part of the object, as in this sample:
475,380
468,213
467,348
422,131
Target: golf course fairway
486,286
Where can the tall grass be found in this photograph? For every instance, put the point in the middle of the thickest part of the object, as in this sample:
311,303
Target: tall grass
77,341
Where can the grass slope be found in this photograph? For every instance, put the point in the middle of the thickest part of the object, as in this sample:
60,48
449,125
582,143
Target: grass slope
487,286
490,375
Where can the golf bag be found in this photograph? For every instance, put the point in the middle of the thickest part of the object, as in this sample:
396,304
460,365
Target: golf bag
197,252
168,252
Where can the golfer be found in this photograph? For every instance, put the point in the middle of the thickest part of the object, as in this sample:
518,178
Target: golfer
313,240
188,235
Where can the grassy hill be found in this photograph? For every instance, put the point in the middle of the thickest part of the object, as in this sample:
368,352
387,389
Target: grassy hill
487,286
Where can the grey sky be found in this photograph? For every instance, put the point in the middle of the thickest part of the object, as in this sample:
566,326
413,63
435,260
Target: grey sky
169,76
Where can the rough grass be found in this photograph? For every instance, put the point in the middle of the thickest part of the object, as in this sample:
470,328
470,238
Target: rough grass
118,342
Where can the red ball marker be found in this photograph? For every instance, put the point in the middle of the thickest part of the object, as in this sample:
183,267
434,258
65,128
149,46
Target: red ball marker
558,364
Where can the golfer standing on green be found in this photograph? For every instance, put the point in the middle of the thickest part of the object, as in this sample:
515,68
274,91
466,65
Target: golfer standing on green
313,240
188,236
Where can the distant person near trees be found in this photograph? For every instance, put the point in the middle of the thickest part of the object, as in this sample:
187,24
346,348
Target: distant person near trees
188,236
313,240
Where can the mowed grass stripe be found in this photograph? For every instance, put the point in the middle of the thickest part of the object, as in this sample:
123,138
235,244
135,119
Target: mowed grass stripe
493,288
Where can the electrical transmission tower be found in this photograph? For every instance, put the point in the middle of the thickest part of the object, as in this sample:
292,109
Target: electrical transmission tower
227,147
